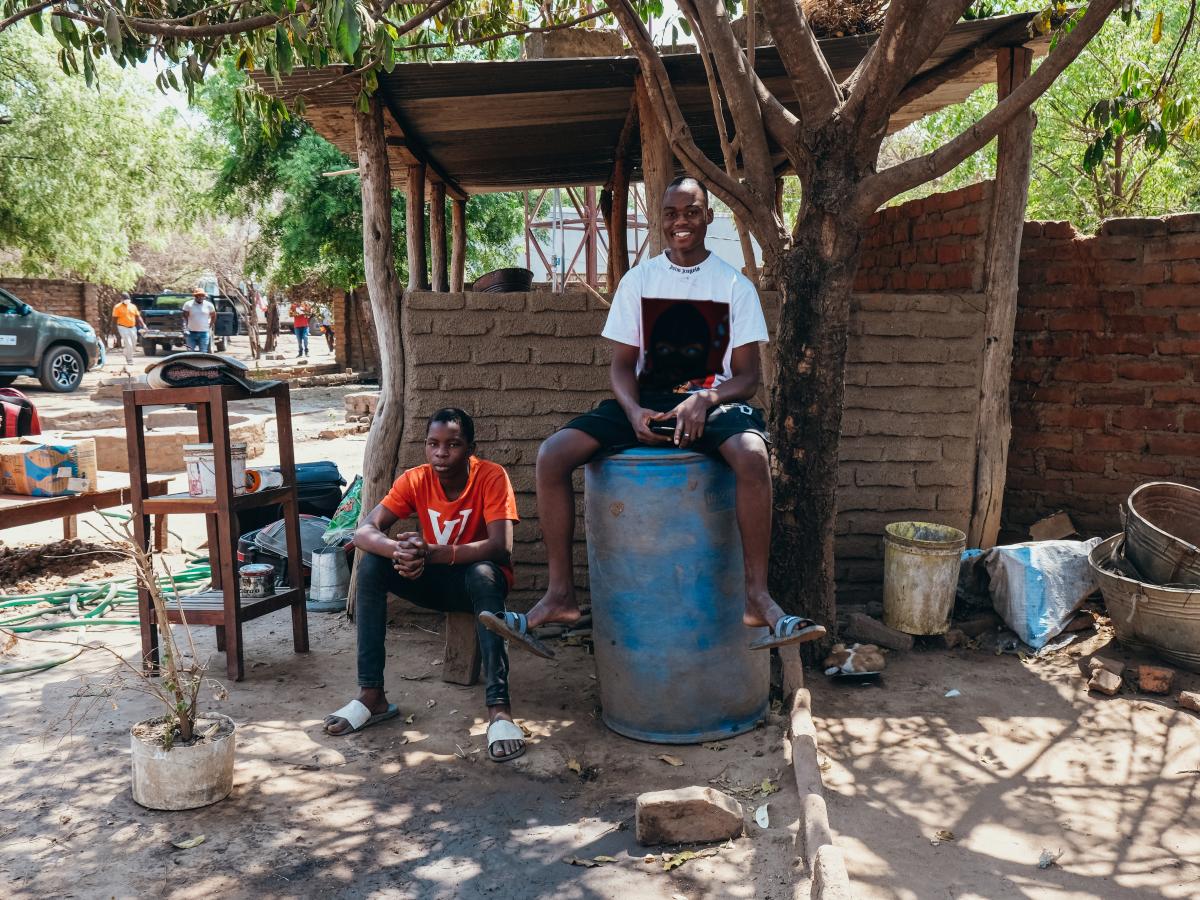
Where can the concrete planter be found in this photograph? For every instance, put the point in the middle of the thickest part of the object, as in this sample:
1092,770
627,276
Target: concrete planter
182,777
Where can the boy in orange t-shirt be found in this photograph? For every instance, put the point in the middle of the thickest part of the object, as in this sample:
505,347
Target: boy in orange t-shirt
460,561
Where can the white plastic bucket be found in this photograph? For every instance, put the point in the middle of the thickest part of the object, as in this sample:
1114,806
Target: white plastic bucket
920,573
200,462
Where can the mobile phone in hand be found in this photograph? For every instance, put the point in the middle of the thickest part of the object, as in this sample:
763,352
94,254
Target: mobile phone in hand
666,427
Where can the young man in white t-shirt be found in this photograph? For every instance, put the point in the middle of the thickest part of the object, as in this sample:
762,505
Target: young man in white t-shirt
686,328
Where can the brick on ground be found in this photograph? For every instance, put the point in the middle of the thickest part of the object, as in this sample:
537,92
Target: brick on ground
687,815
1155,679
1104,682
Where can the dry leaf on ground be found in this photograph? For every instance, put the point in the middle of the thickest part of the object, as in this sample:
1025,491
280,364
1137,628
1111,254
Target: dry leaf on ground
679,859
188,843
670,760
574,766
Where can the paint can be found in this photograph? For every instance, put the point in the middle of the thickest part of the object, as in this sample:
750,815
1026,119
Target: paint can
257,580
200,462
262,479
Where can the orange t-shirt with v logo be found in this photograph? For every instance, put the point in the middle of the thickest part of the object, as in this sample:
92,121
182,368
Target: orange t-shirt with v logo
488,497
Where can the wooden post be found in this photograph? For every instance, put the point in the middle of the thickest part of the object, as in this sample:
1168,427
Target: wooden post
382,450
618,224
993,428
591,239
658,166
458,247
437,236
418,276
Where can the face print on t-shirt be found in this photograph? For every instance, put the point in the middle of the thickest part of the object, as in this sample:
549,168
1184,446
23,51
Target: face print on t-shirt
686,345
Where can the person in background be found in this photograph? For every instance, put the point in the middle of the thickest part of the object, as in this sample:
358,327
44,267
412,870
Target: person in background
199,314
128,319
322,323
300,320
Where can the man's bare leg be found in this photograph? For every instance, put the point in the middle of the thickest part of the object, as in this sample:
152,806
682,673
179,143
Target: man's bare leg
560,455
747,456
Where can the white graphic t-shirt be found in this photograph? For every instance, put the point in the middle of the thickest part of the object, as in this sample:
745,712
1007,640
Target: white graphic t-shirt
686,321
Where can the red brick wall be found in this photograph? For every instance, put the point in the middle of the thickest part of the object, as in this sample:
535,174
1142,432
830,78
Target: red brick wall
354,348
60,298
1106,367
932,244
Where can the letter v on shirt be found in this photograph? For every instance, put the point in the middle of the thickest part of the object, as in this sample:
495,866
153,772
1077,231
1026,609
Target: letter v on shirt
488,497
443,535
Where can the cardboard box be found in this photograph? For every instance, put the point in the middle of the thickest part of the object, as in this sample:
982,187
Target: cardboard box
49,467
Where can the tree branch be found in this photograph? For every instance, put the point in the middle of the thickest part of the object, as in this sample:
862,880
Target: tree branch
812,79
912,31
26,13
666,107
880,188
735,77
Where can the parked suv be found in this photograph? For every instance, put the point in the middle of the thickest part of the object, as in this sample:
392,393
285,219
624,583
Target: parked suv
55,349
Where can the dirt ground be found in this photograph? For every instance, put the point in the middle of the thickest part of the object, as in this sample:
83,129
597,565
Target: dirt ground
1023,761
400,810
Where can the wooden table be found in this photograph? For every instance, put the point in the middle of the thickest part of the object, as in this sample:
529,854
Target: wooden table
112,489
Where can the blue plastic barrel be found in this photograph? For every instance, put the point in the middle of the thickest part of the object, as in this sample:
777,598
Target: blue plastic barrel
668,593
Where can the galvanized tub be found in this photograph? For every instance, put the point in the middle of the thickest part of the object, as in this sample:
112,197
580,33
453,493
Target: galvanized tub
1147,616
1162,532
920,572
668,592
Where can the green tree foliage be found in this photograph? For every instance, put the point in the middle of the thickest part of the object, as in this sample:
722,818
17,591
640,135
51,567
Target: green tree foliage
1114,138
311,223
86,173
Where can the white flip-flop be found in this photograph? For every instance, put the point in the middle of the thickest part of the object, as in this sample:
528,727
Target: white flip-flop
503,730
359,716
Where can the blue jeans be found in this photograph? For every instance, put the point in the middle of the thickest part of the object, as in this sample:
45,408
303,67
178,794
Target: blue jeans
471,588
197,340
301,339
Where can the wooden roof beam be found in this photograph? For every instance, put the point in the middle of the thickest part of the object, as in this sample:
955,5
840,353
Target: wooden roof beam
416,148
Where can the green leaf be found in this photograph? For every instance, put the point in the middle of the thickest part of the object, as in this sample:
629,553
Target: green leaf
36,21
349,31
112,31
283,50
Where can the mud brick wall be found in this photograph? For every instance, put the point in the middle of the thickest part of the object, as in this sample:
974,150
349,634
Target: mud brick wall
523,364
77,299
1106,368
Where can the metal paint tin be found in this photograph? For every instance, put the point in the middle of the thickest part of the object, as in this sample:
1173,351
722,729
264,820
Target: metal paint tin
257,579
260,479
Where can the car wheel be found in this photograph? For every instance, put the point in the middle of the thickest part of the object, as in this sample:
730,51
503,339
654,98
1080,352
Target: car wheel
6,380
149,348
61,370
221,345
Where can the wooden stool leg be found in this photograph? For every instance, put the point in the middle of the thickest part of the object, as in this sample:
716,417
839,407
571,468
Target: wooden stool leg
461,662
220,629
160,533
70,528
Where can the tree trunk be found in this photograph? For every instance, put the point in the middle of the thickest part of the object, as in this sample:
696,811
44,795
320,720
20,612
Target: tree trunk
272,325
815,277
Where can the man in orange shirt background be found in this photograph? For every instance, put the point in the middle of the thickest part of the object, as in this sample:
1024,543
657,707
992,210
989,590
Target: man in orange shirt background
460,561
128,319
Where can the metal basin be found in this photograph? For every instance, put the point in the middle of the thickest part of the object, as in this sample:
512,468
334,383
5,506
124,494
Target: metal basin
1147,616
1162,530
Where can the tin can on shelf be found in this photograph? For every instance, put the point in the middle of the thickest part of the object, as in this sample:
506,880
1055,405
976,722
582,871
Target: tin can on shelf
261,479
257,580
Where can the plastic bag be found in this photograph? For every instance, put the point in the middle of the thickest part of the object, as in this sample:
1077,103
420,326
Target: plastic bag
345,519
1037,586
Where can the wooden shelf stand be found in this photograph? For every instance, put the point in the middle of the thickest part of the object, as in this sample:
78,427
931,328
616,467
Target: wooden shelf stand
222,607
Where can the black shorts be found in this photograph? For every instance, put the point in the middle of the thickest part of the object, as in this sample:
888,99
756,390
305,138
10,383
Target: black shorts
609,425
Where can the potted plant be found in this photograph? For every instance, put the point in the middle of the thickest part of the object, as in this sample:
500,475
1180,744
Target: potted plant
182,759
